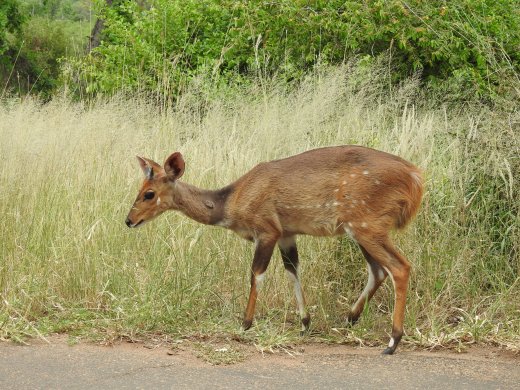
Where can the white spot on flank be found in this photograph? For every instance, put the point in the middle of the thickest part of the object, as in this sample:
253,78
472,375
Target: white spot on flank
363,202
336,203
364,225
377,182
365,172
336,190
350,224
344,183
352,175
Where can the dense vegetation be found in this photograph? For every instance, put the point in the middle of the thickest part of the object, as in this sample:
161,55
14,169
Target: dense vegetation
69,177
436,82
468,47
465,49
36,38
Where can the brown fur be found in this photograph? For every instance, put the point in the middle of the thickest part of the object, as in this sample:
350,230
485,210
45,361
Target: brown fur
322,192
286,193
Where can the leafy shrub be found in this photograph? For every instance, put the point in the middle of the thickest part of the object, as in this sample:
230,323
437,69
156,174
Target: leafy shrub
37,42
11,20
37,53
465,46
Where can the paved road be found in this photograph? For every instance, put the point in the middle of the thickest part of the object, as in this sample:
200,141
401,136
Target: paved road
128,366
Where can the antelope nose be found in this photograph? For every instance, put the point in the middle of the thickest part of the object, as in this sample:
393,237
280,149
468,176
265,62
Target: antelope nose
128,222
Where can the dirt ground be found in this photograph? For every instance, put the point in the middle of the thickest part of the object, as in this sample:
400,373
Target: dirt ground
199,365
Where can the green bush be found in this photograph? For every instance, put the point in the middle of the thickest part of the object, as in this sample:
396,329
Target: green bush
467,47
36,54
35,36
11,20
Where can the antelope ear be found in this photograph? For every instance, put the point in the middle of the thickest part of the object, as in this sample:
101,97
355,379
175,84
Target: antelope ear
174,166
146,166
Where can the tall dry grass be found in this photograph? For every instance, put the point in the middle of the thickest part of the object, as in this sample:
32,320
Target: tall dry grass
68,176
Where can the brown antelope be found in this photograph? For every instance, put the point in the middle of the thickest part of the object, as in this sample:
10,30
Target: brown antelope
330,191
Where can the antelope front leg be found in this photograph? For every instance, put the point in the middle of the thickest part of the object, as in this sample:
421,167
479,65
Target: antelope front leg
263,252
290,259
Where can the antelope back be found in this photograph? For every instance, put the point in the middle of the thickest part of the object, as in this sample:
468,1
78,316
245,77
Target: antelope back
328,191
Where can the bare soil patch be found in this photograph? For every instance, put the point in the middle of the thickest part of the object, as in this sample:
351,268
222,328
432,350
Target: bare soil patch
229,364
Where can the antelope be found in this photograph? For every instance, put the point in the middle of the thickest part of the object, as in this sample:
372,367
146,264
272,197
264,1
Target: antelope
330,191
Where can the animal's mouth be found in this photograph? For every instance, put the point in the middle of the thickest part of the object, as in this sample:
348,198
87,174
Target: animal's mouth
133,225
138,223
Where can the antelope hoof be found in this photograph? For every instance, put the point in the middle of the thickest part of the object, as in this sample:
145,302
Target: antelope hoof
246,324
392,345
352,320
306,321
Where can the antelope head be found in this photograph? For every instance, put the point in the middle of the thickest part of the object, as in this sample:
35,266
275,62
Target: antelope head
157,193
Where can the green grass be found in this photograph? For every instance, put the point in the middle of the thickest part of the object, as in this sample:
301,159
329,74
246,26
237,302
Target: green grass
69,175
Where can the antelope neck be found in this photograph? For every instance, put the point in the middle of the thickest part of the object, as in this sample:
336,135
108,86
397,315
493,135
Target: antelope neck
204,206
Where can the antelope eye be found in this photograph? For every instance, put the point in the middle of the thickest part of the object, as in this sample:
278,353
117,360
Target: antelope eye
149,195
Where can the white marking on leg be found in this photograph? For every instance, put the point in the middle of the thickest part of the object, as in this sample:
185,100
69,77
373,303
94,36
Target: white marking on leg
391,343
371,282
299,297
259,280
297,292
